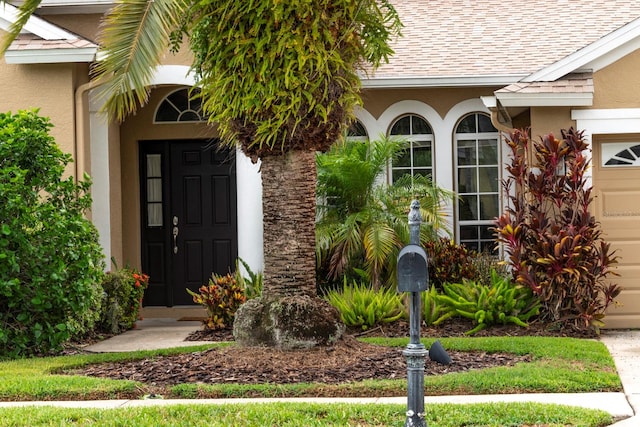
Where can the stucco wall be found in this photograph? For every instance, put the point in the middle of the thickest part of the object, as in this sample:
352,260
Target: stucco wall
47,87
618,85
546,120
376,101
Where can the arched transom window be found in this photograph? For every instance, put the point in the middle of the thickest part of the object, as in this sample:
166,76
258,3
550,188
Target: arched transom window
477,152
182,105
418,159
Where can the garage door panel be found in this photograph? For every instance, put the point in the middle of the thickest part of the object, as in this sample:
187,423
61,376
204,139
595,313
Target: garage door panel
620,203
628,277
628,252
622,321
629,306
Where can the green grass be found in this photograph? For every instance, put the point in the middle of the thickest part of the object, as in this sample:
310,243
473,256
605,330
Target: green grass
37,378
560,365
308,414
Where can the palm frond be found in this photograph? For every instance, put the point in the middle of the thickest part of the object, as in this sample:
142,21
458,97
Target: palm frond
25,11
380,244
134,36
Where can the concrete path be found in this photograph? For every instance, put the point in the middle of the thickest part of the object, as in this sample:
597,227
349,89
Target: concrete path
624,346
156,333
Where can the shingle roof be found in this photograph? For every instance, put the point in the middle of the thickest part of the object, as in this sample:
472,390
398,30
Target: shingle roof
470,38
33,42
572,83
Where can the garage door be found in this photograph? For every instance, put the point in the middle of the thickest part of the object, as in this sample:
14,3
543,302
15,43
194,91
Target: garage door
616,173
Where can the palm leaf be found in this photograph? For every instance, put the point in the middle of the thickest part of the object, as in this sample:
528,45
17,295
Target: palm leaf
380,244
134,37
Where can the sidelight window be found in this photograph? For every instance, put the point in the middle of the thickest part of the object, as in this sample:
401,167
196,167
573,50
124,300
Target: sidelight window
154,190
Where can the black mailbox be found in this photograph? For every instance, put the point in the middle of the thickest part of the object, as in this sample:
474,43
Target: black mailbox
412,269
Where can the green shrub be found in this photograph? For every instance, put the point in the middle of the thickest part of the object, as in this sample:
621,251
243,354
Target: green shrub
221,297
501,302
51,263
553,241
122,297
449,262
361,305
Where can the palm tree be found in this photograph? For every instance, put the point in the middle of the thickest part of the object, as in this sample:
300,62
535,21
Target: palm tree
363,222
280,79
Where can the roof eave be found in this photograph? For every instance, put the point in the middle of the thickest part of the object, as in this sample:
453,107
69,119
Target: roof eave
450,81
571,99
50,56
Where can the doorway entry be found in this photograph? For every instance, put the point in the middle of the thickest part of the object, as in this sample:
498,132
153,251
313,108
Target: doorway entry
188,216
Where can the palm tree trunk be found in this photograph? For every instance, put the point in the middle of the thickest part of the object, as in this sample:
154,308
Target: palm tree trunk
289,206
288,315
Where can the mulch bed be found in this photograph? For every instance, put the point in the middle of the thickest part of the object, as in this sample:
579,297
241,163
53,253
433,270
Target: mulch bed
348,360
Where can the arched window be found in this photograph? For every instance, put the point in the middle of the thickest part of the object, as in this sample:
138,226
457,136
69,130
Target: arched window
357,131
182,105
477,159
418,159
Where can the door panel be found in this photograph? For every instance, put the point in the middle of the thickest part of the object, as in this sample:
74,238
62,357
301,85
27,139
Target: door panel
201,208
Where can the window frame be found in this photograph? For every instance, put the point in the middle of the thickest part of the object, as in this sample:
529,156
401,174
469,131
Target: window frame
413,139
486,241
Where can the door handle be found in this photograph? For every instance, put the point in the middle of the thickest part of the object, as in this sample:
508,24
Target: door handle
175,234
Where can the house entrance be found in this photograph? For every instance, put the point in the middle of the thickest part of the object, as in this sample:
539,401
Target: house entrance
188,221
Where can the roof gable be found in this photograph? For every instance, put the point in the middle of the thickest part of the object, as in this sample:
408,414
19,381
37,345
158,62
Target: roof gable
43,42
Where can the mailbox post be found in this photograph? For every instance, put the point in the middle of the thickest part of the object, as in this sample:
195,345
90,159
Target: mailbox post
413,277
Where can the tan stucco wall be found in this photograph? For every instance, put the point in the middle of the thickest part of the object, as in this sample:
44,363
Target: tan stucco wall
618,85
49,87
84,25
376,101
546,120
136,128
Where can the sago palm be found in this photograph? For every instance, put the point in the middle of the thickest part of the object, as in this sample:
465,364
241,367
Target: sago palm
279,79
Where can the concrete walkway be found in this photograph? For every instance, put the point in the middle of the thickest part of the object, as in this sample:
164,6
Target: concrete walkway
156,333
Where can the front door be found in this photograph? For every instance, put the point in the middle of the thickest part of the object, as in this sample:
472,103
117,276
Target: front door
188,191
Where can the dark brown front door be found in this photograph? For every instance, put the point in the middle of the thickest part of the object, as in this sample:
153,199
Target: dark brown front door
188,217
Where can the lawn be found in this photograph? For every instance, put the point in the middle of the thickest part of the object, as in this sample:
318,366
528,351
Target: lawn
559,365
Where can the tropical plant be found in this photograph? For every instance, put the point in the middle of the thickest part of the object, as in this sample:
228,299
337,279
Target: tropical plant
279,79
449,262
251,285
362,306
554,243
222,297
362,223
123,289
433,311
501,302
51,262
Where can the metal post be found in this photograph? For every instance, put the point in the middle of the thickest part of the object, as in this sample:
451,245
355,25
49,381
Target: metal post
415,352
